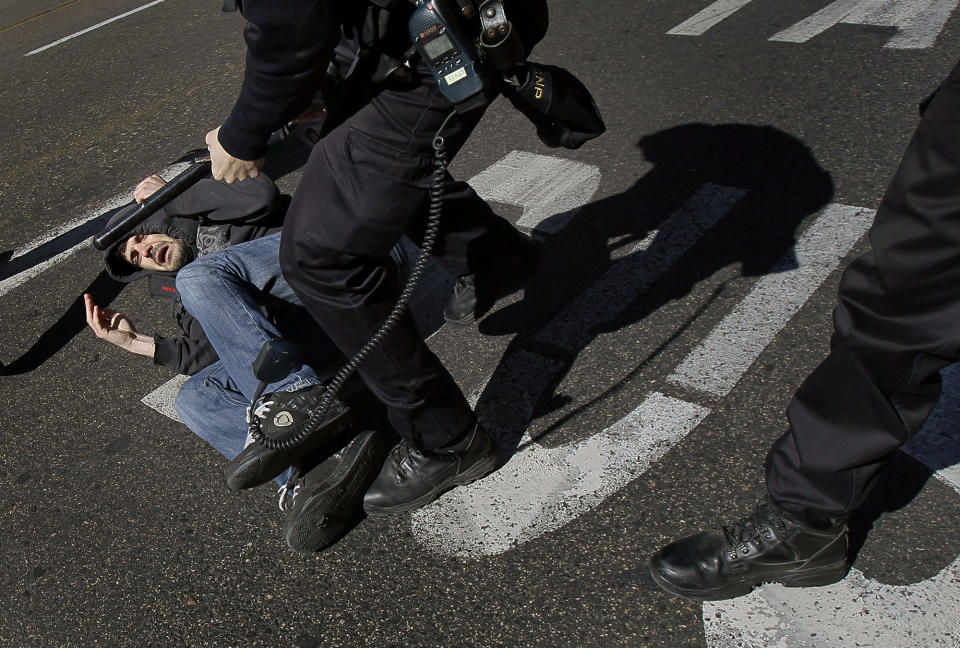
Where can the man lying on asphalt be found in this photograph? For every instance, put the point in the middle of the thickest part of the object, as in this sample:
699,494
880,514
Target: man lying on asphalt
214,251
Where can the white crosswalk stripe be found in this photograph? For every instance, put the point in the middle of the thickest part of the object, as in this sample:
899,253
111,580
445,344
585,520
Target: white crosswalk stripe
730,348
918,22
540,489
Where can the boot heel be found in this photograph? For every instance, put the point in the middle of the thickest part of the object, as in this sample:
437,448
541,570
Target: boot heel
818,577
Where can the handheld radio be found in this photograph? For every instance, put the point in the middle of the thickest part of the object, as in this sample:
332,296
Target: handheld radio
443,40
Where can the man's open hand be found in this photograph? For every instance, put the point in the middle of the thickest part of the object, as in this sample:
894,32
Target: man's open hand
116,329
224,166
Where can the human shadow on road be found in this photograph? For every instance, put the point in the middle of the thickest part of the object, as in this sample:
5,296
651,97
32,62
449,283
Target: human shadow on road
73,320
623,257
104,289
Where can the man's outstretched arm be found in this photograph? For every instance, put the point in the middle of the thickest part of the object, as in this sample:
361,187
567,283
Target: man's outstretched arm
116,329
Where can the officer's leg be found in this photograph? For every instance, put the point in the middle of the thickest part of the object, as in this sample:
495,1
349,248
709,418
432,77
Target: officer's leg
349,287
472,238
895,329
361,187
484,251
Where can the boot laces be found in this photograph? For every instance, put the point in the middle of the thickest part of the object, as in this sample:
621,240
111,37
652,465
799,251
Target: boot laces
262,410
401,457
749,528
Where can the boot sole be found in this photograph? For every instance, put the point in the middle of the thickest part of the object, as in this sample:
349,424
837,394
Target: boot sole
259,470
818,577
323,513
477,471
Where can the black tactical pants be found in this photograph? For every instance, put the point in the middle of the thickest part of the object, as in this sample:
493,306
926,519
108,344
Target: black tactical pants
897,324
365,185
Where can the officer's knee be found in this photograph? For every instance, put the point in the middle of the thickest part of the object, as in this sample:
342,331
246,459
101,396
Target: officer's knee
303,263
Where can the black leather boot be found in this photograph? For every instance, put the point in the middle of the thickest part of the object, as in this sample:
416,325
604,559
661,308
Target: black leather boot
475,294
769,546
412,478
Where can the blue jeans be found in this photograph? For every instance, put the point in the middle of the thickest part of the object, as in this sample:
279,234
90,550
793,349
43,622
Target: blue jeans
226,292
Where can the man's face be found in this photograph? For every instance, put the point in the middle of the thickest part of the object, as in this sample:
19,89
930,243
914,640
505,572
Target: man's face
154,252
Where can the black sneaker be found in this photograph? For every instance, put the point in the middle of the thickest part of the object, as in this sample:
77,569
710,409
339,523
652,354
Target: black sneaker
412,478
280,413
769,546
475,294
329,498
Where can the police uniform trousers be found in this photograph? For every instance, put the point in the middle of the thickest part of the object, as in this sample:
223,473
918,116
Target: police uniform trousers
365,184
896,325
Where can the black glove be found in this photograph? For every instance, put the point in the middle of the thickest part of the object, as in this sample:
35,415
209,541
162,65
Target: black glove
558,104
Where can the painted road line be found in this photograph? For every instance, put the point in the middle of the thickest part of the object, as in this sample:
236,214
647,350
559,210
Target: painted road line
90,29
857,611
730,348
163,397
919,22
631,275
525,502
41,14
525,375
56,246
551,190
502,510
709,17
53,248
463,521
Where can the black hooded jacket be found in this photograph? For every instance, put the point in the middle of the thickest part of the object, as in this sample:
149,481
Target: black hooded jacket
209,216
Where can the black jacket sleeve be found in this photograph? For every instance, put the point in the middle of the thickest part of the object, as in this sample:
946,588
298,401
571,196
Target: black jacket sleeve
188,353
289,43
251,201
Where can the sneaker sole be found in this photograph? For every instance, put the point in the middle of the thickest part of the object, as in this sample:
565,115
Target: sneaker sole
477,471
260,469
818,577
324,512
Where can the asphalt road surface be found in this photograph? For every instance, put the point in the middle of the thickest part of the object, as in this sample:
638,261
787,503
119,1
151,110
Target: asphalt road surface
692,257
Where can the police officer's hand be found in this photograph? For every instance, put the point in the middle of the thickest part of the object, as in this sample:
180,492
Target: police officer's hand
147,187
224,166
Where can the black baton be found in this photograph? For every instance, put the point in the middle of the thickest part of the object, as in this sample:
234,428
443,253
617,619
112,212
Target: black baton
180,183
